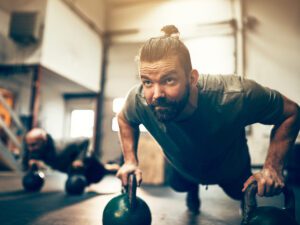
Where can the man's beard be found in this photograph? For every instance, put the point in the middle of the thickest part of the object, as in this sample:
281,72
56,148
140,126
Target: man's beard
170,109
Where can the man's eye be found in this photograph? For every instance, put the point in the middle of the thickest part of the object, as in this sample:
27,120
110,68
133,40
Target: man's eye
170,81
147,83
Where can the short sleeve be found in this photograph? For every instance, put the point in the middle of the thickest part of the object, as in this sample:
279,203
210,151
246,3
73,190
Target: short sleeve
129,109
261,104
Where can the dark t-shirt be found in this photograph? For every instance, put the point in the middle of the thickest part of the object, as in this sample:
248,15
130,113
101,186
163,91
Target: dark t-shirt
210,146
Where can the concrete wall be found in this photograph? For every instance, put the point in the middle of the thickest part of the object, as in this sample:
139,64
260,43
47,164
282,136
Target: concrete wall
95,10
272,57
4,22
71,48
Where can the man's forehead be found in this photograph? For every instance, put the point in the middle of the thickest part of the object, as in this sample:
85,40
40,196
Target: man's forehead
34,139
163,65
31,140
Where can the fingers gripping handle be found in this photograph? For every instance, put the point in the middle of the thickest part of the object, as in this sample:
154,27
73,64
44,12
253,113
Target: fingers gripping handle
250,201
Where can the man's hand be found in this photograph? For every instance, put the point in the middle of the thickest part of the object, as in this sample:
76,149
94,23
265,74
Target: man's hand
127,169
40,164
269,182
77,164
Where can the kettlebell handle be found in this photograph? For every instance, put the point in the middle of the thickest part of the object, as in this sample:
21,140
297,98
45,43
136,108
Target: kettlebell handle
250,201
131,190
34,167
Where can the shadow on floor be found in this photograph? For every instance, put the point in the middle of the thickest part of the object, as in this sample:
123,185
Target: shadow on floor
29,206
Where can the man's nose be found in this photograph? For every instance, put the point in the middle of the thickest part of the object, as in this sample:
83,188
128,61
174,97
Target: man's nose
32,147
158,92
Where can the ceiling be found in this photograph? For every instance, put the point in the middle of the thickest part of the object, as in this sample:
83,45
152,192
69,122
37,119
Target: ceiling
13,5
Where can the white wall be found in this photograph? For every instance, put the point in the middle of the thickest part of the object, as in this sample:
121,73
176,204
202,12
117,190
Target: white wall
158,13
4,22
272,57
52,111
148,17
70,47
122,72
273,45
94,10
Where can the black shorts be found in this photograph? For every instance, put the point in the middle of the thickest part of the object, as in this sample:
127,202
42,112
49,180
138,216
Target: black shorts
233,188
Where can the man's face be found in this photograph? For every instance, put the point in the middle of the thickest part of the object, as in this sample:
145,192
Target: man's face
166,87
35,144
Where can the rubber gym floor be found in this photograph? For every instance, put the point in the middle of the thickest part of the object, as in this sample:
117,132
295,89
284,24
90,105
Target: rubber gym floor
53,206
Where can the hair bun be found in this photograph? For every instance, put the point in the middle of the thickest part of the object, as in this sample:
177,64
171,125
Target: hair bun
170,31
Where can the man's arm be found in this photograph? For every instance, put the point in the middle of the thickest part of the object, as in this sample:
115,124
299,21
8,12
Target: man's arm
25,158
129,136
82,145
283,135
27,162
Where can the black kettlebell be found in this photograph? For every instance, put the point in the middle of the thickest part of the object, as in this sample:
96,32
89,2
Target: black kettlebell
34,179
268,215
75,184
127,208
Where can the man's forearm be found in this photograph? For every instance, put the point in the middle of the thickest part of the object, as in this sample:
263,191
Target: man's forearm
83,148
25,160
282,139
129,139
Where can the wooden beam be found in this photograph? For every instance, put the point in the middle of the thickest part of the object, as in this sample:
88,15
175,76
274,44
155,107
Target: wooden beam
35,96
100,100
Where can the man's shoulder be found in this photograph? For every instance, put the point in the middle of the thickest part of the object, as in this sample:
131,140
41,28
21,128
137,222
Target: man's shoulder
222,91
135,105
135,90
136,95
221,83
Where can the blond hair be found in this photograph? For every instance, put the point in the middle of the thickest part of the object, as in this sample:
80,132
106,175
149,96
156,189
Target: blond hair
164,46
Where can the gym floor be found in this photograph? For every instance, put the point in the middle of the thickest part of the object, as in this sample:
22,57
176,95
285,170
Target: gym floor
52,206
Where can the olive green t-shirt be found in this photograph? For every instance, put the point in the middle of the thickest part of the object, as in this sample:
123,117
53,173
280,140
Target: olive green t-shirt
210,146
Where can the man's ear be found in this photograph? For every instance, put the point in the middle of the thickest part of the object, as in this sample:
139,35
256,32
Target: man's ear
194,77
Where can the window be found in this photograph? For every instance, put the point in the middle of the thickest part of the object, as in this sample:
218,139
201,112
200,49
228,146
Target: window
212,55
117,106
82,123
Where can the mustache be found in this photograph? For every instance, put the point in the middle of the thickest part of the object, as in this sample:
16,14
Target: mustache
164,102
